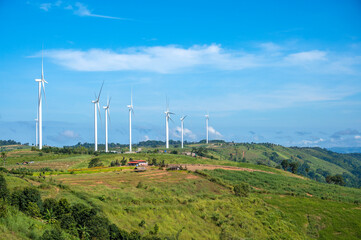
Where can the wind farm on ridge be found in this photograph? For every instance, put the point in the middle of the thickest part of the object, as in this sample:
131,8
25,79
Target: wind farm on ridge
96,102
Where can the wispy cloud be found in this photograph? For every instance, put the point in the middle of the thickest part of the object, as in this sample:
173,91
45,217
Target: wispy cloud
83,11
187,133
214,132
78,9
45,6
306,57
64,136
266,99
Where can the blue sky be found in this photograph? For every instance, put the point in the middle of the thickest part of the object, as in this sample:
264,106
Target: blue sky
266,71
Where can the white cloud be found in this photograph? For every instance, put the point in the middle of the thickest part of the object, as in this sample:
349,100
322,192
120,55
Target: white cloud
175,59
270,47
69,134
146,138
161,59
312,142
214,132
357,137
306,57
45,6
187,133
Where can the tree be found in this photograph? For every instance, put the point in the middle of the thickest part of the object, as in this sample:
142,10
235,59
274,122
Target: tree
337,179
123,161
55,234
95,162
285,164
4,156
22,198
294,166
4,191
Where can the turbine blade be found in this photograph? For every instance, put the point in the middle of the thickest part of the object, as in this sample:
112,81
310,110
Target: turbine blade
109,116
44,91
99,111
100,90
109,101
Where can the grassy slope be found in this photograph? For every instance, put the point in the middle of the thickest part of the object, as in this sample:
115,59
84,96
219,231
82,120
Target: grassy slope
322,211
279,205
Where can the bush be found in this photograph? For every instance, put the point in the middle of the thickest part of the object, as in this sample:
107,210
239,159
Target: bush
4,191
241,190
95,162
3,209
33,210
54,234
22,198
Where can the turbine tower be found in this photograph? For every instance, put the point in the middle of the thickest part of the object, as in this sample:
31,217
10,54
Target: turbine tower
182,124
207,118
167,117
41,85
131,111
96,105
107,115
36,132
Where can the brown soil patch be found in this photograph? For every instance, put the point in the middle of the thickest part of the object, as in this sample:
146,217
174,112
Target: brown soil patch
310,195
194,167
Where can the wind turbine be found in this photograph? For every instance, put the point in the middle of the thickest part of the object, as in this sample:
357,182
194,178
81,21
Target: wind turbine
96,105
207,118
182,124
41,85
131,111
167,117
107,115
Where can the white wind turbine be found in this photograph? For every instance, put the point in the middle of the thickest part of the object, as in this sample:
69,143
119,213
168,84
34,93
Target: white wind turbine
96,105
167,117
41,85
131,111
182,125
207,118
107,115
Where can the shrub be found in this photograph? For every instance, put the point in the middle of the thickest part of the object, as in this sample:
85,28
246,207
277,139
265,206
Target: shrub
3,209
68,223
142,223
4,191
55,234
241,190
33,210
22,198
95,162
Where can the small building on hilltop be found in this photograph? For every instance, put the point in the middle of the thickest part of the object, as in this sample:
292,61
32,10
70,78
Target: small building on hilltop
138,163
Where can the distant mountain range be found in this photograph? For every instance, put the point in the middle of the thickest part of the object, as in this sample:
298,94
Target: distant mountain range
345,149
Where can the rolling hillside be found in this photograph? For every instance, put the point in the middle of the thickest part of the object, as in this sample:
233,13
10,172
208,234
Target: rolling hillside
215,198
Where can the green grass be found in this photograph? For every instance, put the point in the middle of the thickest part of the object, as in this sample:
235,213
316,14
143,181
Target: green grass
280,206
284,185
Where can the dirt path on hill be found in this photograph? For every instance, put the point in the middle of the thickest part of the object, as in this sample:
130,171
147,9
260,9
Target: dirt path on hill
194,167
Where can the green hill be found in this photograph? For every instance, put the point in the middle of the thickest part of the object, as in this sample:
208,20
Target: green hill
221,195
